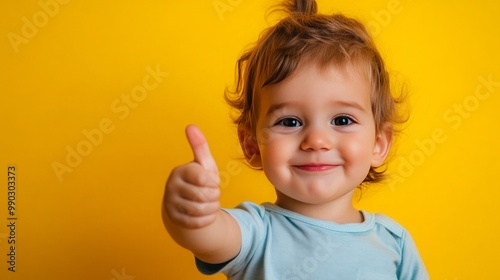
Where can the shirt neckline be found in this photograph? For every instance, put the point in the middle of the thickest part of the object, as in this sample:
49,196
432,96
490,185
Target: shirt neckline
366,225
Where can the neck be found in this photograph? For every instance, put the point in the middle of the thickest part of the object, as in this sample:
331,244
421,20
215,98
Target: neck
340,211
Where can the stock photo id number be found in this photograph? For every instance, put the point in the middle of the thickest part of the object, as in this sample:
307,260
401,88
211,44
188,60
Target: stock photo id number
11,220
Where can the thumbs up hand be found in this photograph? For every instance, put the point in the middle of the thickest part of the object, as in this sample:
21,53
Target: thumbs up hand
192,191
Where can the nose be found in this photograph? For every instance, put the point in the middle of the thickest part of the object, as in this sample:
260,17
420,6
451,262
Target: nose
317,139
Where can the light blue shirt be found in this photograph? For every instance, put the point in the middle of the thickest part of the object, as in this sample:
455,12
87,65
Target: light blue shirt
280,244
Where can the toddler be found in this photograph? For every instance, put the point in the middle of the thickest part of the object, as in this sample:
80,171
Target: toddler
316,114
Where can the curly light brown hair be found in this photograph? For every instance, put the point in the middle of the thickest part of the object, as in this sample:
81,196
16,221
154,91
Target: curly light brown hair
301,35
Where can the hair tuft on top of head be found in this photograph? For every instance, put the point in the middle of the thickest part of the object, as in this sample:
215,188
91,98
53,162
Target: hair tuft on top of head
308,7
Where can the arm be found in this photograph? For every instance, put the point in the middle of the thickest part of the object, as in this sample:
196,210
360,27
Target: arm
191,209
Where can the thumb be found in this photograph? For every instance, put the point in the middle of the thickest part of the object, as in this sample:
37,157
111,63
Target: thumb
200,148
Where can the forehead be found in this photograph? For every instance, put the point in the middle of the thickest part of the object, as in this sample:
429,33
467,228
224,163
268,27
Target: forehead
315,84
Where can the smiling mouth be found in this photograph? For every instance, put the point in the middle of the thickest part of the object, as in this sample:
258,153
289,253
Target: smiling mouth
316,167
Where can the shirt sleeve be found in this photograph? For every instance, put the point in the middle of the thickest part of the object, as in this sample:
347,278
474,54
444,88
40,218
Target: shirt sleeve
250,218
411,267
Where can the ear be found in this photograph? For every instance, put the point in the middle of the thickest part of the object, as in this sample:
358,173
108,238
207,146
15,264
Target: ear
383,144
250,148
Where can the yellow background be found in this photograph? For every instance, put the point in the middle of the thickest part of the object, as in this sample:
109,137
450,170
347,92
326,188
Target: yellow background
67,76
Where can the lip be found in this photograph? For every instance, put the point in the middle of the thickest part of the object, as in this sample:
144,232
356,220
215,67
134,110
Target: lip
316,167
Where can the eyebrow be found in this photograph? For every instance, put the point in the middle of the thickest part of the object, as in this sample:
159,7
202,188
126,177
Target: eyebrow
340,103
351,104
278,106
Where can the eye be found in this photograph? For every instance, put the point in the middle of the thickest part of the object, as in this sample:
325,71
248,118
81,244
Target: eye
342,121
289,122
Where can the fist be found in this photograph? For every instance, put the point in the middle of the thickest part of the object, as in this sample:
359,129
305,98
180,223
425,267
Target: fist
192,191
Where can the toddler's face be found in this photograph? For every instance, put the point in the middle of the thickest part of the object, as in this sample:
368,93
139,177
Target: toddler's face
316,134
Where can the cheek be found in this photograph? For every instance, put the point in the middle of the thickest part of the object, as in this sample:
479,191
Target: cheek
273,159
357,151
275,151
